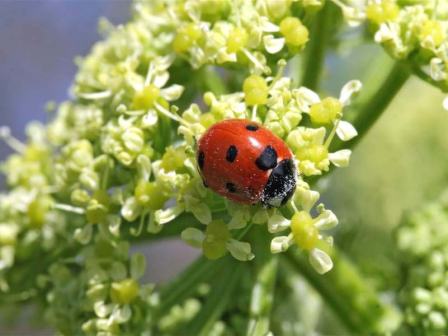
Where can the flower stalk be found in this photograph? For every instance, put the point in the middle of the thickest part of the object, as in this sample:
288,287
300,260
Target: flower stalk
384,81
323,28
351,298
263,289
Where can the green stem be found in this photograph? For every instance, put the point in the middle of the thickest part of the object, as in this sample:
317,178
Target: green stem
262,298
185,285
348,294
266,267
322,29
442,85
223,288
213,81
384,81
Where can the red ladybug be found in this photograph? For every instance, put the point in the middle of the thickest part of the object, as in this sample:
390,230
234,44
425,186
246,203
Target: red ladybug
245,162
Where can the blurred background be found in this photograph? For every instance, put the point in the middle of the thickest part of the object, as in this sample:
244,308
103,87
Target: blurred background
401,163
38,42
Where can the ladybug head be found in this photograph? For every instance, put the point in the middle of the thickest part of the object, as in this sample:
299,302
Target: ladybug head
281,184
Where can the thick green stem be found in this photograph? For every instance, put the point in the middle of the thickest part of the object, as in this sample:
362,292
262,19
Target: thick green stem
322,29
262,298
348,294
202,270
185,285
223,288
383,83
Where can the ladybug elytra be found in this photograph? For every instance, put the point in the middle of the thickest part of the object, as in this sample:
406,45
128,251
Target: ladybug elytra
245,162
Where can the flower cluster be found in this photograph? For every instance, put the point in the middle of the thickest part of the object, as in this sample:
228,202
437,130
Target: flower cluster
414,31
106,291
422,241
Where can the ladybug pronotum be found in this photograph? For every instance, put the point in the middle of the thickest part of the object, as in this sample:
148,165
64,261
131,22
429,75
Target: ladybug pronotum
245,162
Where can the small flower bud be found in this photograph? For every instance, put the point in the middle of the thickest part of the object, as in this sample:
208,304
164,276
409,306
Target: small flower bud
125,291
295,33
255,90
379,12
237,40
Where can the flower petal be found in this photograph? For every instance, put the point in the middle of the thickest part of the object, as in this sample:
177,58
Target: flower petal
161,78
240,250
150,118
193,237
345,131
326,220
349,90
130,209
267,26
172,92
278,223
320,261
273,45
305,98
281,243
340,158
144,167
167,215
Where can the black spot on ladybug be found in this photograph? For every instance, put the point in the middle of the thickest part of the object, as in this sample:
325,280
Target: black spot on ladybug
230,187
201,158
232,152
252,127
281,184
267,159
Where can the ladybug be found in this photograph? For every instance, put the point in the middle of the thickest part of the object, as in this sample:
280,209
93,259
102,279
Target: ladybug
245,162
